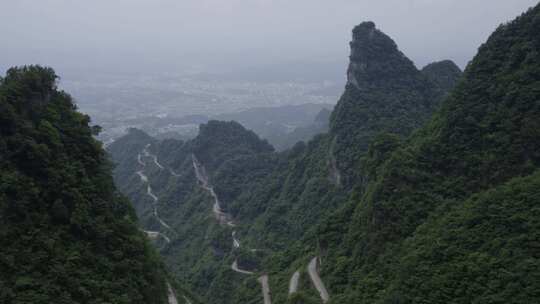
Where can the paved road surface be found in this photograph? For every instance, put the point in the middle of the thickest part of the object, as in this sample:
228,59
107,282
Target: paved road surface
171,295
234,267
293,283
265,289
222,217
316,279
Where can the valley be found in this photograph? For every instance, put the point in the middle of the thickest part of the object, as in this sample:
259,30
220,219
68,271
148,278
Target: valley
235,183
331,198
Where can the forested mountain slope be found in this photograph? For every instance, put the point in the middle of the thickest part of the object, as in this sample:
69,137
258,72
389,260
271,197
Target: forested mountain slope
451,215
66,234
195,238
443,73
273,201
388,208
314,178
385,92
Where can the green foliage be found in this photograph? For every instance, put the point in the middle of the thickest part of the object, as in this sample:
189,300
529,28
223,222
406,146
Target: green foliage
201,251
278,200
385,93
429,210
302,298
218,141
444,74
442,215
66,236
486,248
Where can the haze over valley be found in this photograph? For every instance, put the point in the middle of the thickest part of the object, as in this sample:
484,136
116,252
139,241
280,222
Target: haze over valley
270,151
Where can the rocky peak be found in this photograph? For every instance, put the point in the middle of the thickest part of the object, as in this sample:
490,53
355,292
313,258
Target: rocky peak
375,57
385,93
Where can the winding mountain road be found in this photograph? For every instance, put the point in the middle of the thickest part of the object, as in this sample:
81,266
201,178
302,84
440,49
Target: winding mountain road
152,156
143,177
155,234
316,279
200,173
156,215
145,180
225,219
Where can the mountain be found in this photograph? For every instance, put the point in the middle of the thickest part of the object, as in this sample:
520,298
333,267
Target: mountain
66,234
424,189
316,177
451,214
228,207
385,92
170,181
443,73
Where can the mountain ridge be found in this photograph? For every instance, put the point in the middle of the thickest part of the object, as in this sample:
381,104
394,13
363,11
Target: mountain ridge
66,234
273,197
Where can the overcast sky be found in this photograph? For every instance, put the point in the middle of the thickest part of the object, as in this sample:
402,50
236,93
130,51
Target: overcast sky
201,32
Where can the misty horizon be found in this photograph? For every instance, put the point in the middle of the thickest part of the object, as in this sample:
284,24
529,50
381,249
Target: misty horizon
209,36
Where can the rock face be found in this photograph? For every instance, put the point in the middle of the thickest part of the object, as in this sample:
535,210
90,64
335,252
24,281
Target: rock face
385,92
445,207
375,58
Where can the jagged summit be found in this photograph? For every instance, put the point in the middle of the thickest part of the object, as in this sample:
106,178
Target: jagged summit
374,55
385,93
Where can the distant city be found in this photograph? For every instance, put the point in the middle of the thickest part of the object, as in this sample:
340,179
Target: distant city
118,102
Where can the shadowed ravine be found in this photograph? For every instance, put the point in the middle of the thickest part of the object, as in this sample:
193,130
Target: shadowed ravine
225,219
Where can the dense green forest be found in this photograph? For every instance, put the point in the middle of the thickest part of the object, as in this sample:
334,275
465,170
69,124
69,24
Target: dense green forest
66,234
451,215
422,186
274,199
425,189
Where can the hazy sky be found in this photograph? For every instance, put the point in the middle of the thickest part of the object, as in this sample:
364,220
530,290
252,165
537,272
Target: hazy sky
202,32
